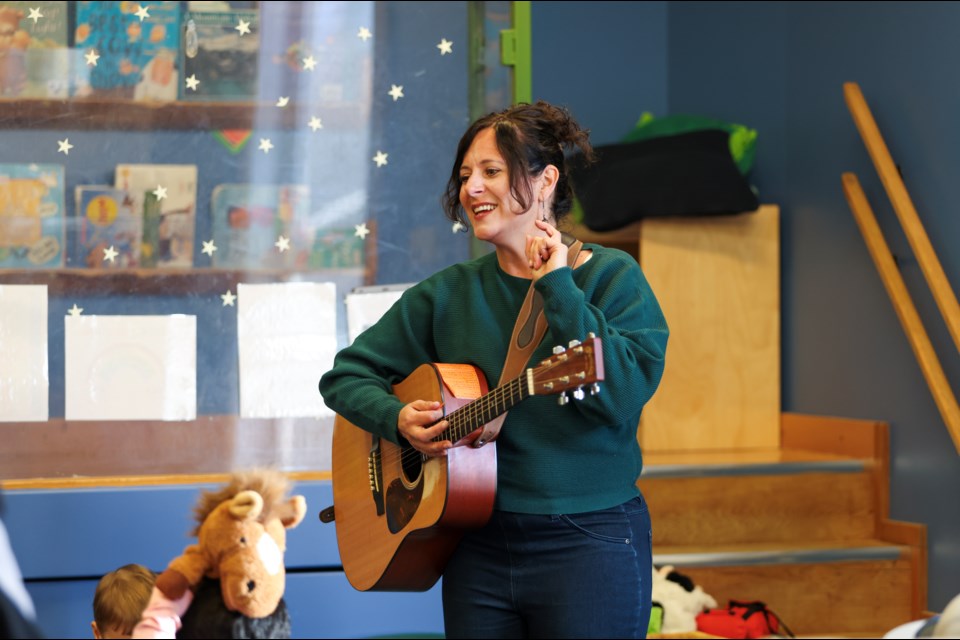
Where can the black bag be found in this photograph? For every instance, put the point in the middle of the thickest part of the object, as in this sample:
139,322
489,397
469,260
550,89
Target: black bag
686,174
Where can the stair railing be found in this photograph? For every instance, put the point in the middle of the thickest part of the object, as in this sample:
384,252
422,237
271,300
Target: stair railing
906,212
903,304
889,273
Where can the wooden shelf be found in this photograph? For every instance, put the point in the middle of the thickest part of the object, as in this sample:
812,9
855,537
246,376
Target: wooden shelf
125,115
208,445
160,282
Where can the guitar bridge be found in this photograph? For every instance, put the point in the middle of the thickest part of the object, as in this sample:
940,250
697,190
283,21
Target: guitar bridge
375,471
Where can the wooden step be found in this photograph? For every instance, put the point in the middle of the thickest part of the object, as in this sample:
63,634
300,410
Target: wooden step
804,528
859,589
758,496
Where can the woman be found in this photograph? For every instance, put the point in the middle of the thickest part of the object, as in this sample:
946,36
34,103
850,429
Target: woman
567,552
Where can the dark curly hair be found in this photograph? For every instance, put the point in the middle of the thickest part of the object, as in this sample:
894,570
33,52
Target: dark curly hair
529,137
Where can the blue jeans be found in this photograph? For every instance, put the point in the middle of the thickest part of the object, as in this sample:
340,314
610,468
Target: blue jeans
581,575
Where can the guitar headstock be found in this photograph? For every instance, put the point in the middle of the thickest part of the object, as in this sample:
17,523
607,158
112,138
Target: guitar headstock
571,367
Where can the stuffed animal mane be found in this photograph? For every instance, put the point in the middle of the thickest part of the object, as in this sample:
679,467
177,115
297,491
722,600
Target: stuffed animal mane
272,486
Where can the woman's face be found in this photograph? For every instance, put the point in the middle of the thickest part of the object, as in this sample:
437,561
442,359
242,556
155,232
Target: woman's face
485,192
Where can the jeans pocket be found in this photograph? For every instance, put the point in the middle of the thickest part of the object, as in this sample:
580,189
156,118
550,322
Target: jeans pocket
615,524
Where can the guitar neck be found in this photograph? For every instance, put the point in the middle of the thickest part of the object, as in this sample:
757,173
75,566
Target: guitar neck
474,415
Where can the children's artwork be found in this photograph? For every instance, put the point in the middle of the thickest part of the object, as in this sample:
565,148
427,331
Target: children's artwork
287,335
220,50
138,57
105,217
34,58
24,378
366,305
31,216
249,218
166,195
131,367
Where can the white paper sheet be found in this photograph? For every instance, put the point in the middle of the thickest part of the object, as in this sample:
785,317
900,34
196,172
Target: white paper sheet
131,367
24,373
287,335
366,305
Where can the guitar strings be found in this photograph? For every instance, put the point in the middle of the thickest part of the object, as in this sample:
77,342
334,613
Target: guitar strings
482,410
473,416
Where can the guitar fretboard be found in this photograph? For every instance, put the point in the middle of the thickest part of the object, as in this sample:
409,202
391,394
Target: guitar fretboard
471,417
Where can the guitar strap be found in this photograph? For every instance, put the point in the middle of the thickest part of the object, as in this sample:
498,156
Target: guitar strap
528,331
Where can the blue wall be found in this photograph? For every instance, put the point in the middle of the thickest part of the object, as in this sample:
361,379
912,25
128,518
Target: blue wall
780,68
605,61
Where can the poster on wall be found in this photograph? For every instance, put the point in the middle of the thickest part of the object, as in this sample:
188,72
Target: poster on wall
287,334
24,379
131,367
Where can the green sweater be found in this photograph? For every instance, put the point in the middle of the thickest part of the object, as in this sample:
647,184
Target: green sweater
550,458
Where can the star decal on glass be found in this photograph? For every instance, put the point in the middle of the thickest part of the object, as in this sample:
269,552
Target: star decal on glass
309,63
92,56
361,230
282,243
110,254
265,145
396,92
75,310
364,34
192,82
208,247
243,27
34,15
142,12
283,101
315,123
228,298
445,46
65,146
160,192
380,158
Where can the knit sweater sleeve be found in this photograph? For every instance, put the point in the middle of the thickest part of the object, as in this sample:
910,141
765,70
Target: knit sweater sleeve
359,386
611,299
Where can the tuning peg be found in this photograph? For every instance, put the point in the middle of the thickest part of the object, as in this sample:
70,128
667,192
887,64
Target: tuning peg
595,388
557,350
573,343
591,335
578,393
562,400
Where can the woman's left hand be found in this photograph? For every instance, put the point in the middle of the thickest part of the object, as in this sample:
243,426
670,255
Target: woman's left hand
545,253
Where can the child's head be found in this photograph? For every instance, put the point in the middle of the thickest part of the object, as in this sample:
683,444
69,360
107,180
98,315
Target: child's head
121,597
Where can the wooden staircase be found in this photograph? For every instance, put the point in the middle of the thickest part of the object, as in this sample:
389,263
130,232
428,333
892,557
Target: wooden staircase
804,528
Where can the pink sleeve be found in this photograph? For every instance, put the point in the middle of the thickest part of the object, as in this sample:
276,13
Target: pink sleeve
161,618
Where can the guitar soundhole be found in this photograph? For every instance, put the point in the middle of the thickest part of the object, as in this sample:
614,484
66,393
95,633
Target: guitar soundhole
402,503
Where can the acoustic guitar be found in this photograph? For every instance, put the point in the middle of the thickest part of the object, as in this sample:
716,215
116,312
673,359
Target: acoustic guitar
399,514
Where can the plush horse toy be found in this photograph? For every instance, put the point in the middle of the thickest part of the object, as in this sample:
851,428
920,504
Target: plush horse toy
241,539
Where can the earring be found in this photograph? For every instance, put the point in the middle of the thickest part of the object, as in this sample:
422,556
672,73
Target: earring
543,215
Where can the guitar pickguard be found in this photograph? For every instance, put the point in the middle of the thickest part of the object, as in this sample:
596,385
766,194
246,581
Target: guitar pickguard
402,503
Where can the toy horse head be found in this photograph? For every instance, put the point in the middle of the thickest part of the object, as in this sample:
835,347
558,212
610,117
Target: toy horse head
241,539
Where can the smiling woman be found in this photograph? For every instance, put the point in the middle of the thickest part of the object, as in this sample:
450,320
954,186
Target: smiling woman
568,527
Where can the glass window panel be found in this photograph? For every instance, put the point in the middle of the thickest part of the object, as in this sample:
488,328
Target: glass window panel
306,141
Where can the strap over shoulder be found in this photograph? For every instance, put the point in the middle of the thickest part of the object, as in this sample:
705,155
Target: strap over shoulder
528,332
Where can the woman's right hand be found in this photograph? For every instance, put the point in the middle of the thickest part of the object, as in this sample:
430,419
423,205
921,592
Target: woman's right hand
416,424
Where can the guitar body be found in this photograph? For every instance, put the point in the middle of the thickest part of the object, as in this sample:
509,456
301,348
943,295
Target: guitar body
399,517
